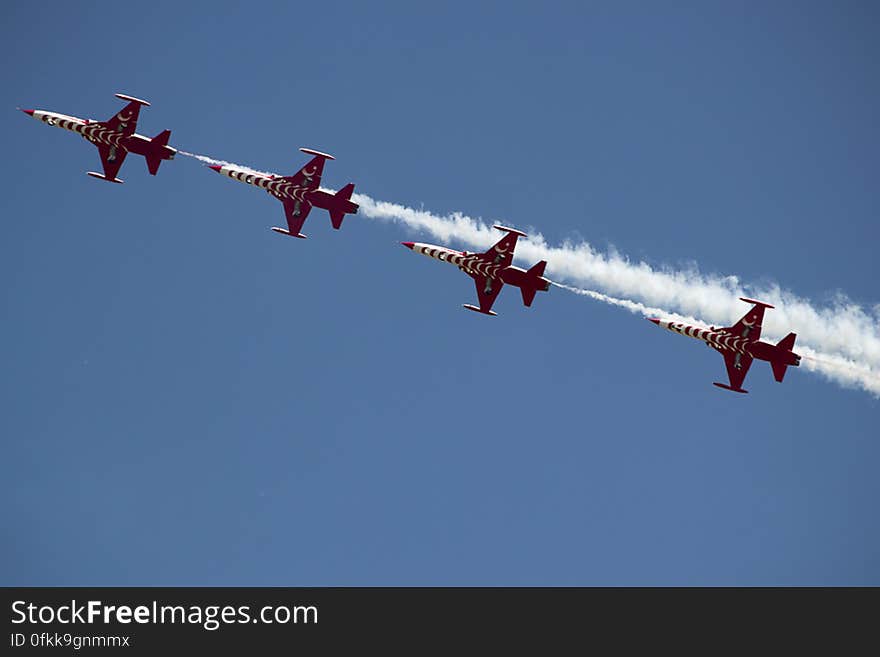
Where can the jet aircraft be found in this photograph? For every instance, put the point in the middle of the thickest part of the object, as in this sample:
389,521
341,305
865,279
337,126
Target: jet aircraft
299,192
740,344
491,270
114,138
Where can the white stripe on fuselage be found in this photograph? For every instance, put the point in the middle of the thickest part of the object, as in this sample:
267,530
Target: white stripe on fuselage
275,186
720,339
91,130
71,123
470,263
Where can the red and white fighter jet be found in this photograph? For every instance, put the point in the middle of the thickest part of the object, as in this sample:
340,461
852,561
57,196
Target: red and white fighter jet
114,138
491,270
299,192
740,344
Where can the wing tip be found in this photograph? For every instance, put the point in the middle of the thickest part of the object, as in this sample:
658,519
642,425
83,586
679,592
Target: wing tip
469,306
132,99
727,387
311,151
756,302
507,229
284,231
101,176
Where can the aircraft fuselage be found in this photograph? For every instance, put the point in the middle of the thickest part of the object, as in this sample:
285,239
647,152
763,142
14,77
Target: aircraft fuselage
474,265
99,134
726,342
278,187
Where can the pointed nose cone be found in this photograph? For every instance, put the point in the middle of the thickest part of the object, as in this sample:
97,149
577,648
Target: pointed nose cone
215,167
408,245
653,319
28,112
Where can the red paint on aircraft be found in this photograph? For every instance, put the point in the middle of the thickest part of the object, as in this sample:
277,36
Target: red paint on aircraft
115,138
491,270
298,193
740,344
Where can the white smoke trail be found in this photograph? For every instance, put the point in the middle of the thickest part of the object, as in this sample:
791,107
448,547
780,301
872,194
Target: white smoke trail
841,370
632,306
211,160
843,328
845,372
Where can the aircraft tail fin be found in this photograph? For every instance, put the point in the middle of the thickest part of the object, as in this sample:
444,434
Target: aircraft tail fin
787,342
161,139
153,163
534,281
779,367
157,144
778,370
341,205
528,295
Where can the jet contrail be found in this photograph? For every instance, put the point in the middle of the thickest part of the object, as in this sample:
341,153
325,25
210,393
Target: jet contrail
211,160
841,370
843,330
632,306
834,368
845,335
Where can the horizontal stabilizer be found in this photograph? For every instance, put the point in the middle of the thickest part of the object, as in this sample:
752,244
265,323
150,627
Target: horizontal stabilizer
478,310
343,207
161,139
153,163
284,231
346,192
533,282
537,270
101,176
778,370
727,387
787,342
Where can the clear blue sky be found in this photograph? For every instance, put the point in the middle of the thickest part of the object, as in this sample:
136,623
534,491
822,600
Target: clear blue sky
190,399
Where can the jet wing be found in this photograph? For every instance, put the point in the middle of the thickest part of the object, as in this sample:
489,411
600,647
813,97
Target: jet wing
296,213
310,175
112,158
737,367
502,253
487,291
125,121
750,324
